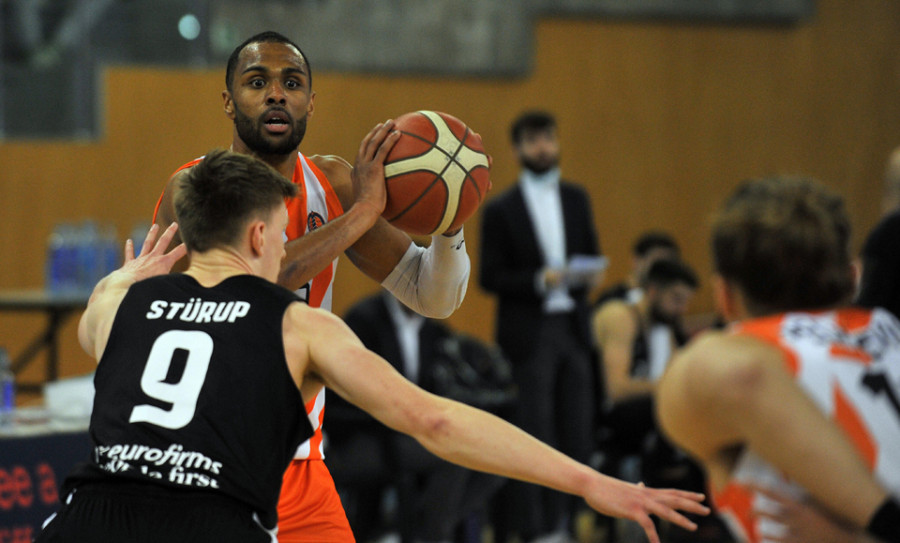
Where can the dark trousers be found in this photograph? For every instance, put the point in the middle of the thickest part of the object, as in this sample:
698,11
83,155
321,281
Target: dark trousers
436,496
556,405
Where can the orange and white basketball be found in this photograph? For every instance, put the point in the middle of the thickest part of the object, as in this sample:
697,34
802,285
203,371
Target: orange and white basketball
437,173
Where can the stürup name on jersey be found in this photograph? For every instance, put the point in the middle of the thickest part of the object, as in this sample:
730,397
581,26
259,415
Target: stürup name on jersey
198,310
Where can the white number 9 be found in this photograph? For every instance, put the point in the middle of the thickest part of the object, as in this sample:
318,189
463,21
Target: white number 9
182,395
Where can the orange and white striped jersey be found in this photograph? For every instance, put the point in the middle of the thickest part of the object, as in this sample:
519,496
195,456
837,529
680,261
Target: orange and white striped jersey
848,362
316,203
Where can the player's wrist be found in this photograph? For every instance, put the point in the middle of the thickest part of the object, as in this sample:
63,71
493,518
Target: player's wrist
885,523
366,210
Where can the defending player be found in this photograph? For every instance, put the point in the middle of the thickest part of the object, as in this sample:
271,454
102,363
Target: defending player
269,98
197,407
800,396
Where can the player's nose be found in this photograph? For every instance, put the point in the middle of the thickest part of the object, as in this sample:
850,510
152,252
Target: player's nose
276,94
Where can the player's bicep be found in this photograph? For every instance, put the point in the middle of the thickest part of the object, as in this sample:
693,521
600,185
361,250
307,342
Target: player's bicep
96,323
615,330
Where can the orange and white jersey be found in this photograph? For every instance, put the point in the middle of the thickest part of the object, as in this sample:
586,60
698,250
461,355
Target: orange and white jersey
848,362
316,203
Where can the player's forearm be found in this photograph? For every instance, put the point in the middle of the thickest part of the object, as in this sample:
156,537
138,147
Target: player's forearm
481,441
311,253
432,281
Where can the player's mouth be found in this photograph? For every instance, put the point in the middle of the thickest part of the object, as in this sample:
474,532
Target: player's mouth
277,122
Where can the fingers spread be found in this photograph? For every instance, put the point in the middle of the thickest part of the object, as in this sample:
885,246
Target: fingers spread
166,238
649,528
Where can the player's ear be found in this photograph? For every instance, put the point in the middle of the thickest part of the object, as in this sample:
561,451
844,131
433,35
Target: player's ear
725,298
257,237
311,105
228,104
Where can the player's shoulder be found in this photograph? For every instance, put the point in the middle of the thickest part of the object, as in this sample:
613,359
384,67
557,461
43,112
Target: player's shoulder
309,318
614,307
721,362
179,174
333,166
615,314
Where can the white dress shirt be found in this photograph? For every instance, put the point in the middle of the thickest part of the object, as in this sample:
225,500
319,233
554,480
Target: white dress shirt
407,324
541,193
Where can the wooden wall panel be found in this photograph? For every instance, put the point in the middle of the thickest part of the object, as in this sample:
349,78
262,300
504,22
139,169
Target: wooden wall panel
659,120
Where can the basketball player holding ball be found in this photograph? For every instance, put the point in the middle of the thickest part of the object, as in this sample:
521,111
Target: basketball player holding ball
269,98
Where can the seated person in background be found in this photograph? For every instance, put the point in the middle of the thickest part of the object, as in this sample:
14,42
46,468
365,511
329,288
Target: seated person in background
434,495
799,396
635,341
651,246
638,338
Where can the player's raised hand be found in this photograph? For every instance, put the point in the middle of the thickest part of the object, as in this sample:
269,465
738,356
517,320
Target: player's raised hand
368,169
636,502
153,259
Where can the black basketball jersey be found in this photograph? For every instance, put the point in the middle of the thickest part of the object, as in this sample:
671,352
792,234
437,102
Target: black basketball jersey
193,391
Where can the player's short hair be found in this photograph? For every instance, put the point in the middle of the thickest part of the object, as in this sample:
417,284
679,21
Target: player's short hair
268,36
665,273
221,193
653,239
531,121
784,242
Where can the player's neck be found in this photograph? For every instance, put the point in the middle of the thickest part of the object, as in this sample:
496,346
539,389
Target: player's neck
214,266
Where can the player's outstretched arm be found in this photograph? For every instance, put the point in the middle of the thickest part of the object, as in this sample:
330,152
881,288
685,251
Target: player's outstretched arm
459,433
96,322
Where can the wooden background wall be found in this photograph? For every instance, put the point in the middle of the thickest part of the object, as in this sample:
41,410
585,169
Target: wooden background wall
659,120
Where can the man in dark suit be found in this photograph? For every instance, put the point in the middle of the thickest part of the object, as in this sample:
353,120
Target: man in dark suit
434,495
530,234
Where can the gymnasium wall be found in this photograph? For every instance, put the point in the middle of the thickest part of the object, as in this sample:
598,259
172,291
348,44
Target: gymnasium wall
658,120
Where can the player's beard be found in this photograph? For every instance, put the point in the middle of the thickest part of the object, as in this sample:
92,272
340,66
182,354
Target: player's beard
659,316
540,164
252,134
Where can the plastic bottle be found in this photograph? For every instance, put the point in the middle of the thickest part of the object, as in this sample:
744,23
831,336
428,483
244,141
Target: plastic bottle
89,256
61,267
7,391
52,266
110,251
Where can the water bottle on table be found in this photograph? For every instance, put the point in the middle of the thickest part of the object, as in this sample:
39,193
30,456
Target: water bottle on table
8,391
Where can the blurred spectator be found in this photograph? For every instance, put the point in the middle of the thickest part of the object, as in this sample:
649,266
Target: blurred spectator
880,282
530,234
650,246
890,200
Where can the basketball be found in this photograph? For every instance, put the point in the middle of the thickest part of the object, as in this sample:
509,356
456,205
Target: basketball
436,174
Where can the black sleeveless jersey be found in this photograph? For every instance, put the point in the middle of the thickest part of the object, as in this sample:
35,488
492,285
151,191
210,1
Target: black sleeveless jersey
193,391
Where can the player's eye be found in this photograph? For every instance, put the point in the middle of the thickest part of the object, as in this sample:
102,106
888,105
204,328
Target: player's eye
257,83
292,84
